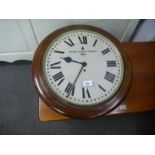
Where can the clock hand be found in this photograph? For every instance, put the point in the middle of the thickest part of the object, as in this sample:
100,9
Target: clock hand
83,65
69,59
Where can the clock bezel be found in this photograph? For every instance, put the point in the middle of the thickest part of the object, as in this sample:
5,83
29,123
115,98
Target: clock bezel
63,107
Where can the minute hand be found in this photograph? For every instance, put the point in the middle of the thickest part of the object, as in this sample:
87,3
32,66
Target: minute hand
83,65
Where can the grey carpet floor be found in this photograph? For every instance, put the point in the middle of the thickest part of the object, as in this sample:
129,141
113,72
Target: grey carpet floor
19,110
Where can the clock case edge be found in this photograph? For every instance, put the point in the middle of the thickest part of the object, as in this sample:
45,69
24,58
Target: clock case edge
68,109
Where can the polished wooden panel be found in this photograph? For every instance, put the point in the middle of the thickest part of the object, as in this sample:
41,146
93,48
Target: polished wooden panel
141,96
46,113
142,93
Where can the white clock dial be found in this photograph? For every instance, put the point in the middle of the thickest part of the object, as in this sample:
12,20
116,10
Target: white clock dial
83,68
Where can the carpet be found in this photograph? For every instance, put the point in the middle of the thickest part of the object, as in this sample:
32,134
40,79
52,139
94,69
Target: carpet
19,111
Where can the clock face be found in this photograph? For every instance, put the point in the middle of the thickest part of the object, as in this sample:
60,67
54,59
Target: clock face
83,67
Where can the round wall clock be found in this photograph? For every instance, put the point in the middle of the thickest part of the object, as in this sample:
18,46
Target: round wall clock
81,71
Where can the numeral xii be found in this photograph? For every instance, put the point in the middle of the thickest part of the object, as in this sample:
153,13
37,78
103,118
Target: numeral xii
83,39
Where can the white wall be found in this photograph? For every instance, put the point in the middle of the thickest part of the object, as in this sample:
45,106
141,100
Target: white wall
20,38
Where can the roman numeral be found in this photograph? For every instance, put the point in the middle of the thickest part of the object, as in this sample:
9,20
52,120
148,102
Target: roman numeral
58,76
61,81
107,50
110,77
111,63
85,92
70,89
95,43
61,52
102,88
54,65
83,40
69,42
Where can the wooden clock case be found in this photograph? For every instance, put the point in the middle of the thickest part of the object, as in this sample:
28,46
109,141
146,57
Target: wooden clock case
68,109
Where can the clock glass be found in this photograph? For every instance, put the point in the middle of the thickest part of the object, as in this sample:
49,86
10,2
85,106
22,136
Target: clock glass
83,67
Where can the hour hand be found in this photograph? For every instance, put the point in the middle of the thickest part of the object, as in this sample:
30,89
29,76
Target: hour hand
69,59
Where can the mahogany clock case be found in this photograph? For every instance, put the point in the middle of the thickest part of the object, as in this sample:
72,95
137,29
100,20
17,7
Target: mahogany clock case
54,102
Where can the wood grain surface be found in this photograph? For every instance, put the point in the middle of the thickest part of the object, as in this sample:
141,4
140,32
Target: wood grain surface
141,96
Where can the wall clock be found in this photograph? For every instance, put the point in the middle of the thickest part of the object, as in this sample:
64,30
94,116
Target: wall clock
81,71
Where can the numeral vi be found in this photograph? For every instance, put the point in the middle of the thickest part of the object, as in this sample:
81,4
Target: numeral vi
85,92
